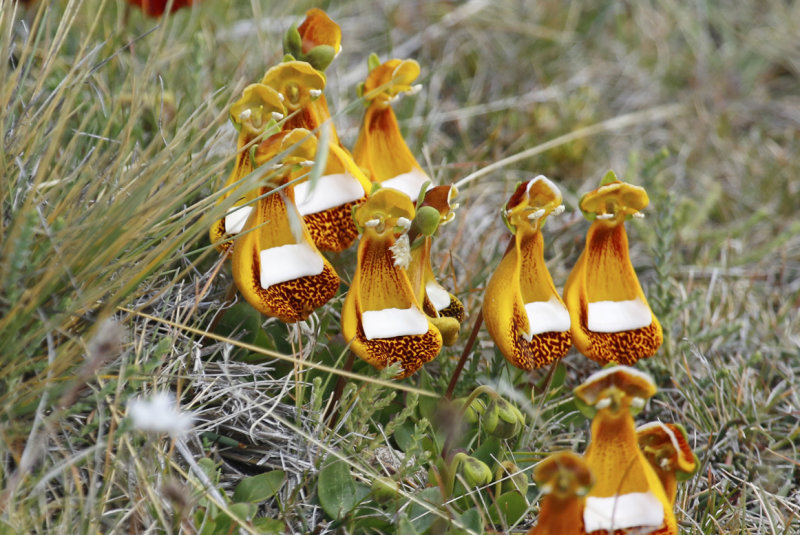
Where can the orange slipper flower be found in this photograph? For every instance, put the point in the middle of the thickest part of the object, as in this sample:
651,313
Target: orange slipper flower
627,496
564,479
667,449
252,115
380,148
156,8
276,266
443,309
326,206
381,317
522,310
611,320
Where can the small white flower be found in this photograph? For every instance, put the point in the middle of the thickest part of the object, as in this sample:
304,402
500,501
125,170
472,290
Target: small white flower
401,250
159,414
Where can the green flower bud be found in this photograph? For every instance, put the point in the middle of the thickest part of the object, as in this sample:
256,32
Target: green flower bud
502,419
384,489
475,472
513,479
320,56
427,220
292,42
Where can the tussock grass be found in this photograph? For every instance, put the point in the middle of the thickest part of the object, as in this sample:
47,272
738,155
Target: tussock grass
114,144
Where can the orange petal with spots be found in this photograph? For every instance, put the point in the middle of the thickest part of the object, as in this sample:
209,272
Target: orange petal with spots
379,286
521,307
268,227
604,273
333,228
613,455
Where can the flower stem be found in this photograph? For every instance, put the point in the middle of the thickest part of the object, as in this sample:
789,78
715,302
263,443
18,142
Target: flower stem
330,412
463,360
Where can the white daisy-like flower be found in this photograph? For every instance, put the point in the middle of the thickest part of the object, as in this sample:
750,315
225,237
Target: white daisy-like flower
159,414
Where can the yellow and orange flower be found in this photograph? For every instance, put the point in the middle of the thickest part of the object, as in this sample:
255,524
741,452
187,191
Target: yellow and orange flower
564,479
611,319
522,309
381,318
380,148
253,114
276,265
667,449
627,496
443,308
326,205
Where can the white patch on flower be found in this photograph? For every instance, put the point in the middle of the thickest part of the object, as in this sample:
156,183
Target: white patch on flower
438,296
546,181
638,403
605,216
159,414
537,214
315,93
401,252
545,317
236,218
638,215
245,114
329,191
370,223
277,116
393,322
637,509
409,183
404,223
288,262
617,316
603,403
559,209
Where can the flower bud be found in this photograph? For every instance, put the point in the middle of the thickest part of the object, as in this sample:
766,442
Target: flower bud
513,478
292,42
427,220
502,419
320,56
384,489
475,472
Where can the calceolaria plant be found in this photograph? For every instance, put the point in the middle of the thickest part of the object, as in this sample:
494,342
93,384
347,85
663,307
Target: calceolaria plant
276,265
564,479
380,148
610,319
522,309
667,449
253,115
443,308
627,496
326,203
381,317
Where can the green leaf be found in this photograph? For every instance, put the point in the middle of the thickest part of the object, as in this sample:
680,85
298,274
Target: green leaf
269,526
472,520
373,61
259,488
336,489
508,508
422,515
489,450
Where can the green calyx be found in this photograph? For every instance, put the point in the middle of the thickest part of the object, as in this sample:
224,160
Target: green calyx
502,419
